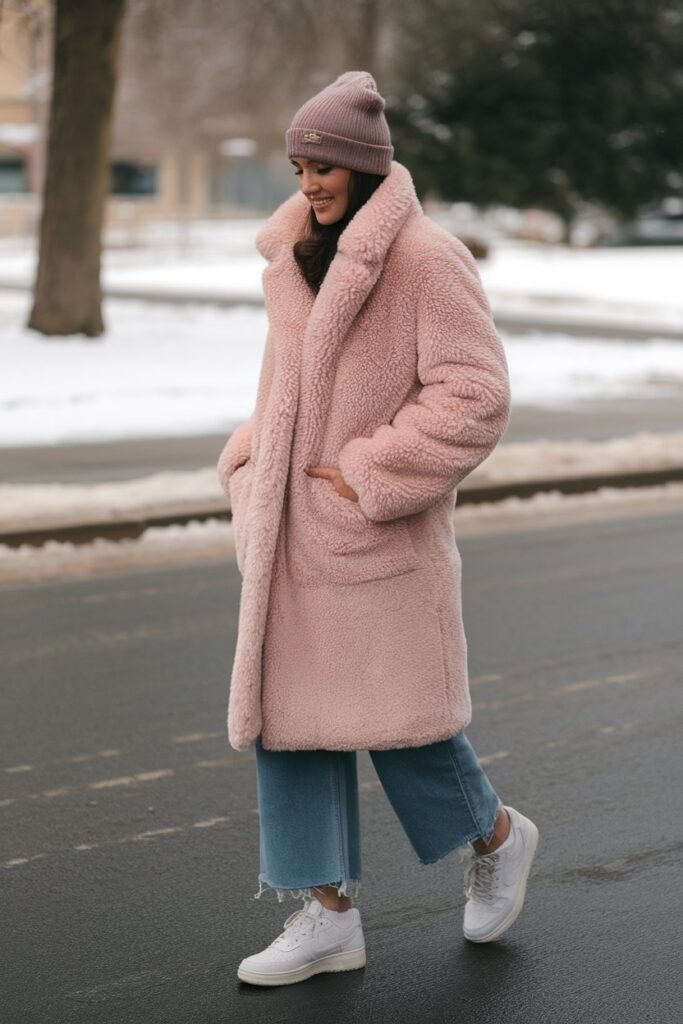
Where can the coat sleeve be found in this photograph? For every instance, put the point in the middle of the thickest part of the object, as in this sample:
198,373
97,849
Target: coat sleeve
462,409
238,447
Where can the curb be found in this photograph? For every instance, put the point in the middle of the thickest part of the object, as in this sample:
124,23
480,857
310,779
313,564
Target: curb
129,527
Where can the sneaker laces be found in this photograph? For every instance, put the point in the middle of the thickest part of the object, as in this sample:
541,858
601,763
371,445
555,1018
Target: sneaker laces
481,875
299,923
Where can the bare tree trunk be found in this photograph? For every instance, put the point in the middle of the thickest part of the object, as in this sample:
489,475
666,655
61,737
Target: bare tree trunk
367,40
68,296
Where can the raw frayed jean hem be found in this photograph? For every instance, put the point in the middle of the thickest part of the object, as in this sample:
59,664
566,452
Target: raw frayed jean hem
345,887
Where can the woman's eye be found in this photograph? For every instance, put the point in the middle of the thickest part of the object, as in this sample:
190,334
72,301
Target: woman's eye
319,170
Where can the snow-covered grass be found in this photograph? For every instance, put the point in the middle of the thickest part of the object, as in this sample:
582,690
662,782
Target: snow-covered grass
557,371
640,284
196,258
171,371
158,371
636,284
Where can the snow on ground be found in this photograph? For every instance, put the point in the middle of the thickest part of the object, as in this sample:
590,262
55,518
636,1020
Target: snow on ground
194,258
212,540
172,371
220,256
22,505
159,546
543,460
179,370
637,283
158,371
557,371
39,503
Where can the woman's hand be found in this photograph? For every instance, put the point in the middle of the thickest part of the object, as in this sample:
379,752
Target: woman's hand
332,473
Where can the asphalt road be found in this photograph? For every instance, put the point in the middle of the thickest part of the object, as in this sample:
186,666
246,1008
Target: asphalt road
130,842
592,420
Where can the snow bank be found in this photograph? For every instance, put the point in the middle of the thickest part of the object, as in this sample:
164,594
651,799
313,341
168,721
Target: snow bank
541,460
40,503
212,540
170,545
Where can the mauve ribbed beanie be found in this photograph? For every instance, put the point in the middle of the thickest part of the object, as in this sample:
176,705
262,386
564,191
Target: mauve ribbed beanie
344,125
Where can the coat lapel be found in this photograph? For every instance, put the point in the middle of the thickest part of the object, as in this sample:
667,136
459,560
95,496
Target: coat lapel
323,320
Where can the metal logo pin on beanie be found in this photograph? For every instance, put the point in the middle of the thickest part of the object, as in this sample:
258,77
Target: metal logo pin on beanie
313,137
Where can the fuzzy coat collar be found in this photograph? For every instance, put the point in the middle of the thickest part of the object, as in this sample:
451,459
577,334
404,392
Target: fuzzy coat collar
368,234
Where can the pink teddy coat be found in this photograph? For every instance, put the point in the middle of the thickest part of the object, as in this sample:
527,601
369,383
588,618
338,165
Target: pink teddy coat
350,632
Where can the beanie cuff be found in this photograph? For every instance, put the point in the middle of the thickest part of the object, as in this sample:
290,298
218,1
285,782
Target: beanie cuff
335,149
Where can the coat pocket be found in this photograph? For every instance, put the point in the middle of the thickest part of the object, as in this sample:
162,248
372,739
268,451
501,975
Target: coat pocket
331,540
239,484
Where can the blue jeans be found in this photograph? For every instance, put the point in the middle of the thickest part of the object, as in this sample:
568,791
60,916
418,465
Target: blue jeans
309,816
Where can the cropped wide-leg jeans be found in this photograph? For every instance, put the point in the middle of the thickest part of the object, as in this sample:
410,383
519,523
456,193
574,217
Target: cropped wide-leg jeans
309,810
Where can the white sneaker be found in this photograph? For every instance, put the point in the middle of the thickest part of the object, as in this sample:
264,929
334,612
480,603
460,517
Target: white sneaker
495,883
314,939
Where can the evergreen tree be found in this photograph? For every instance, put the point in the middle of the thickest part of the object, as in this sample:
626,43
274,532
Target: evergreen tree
542,103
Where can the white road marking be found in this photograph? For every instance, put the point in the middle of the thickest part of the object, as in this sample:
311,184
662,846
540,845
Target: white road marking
128,780
123,780
489,758
84,758
18,861
16,769
98,755
590,684
578,687
197,737
150,836
161,773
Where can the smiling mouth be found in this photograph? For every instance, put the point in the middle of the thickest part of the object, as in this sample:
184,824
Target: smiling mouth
321,202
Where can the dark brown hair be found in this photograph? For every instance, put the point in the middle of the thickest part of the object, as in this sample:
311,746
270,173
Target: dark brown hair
315,251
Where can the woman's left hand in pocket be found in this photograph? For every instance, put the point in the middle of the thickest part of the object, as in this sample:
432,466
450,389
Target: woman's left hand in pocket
332,474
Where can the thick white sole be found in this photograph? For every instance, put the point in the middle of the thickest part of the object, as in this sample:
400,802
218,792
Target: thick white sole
503,925
347,961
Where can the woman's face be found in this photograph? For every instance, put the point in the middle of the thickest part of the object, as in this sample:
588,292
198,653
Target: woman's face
326,187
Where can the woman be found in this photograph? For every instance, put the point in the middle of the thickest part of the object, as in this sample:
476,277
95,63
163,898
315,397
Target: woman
383,384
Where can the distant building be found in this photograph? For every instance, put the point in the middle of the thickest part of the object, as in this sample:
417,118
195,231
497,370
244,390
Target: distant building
222,175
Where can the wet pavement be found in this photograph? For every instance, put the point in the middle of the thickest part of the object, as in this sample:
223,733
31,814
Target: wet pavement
129,846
